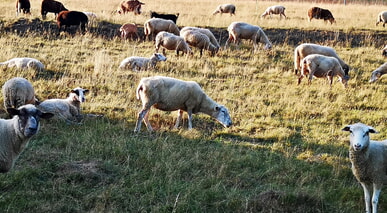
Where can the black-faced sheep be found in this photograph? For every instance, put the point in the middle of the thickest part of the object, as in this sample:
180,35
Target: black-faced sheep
276,9
241,30
320,13
137,63
207,32
170,94
18,92
322,66
68,18
382,18
129,30
199,40
156,25
23,6
172,17
15,133
369,162
225,8
24,63
306,49
376,74
51,6
171,41
130,6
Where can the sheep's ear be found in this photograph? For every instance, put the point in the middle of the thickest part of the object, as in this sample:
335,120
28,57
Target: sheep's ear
46,115
85,90
347,128
13,111
372,130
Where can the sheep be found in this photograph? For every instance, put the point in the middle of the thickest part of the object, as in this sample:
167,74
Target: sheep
130,6
68,18
376,74
68,109
24,63
320,13
207,32
170,94
277,9
129,30
155,25
92,18
172,17
225,8
369,162
197,39
17,92
51,6
384,51
172,42
382,18
241,30
322,66
23,5
15,133
306,49
137,63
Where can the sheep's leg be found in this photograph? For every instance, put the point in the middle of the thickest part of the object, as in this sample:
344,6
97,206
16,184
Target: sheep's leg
179,116
300,78
143,115
189,119
146,121
367,197
375,197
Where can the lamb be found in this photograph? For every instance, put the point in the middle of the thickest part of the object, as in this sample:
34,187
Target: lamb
172,17
322,66
306,49
68,109
277,9
68,18
241,30
199,40
137,63
24,63
225,8
51,6
369,162
382,18
15,133
129,30
172,42
23,5
18,92
156,25
207,32
320,13
170,94
376,74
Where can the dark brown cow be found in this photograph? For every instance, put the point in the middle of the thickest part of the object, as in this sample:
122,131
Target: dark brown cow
130,6
51,6
320,13
172,17
23,5
68,18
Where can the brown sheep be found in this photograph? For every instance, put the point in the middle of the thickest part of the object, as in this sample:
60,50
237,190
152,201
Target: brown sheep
68,18
130,6
23,5
129,30
320,13
51,6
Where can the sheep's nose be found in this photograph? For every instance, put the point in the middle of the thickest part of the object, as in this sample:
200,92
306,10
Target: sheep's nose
357,146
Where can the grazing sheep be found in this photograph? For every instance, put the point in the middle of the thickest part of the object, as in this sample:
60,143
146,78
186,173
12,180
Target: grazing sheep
18,92
172,42
241,30
129,30
92,17
225,8
51,6
322,66
23,5
130,6
369,162
376,74
382,18
68,109
172,17
277,9
319,13
15,133
24,63
384,51
306,49
207,32
170,94
137,63
68,18
156,25
199,40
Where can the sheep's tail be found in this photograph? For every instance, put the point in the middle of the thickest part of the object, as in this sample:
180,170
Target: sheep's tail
296,60
138,90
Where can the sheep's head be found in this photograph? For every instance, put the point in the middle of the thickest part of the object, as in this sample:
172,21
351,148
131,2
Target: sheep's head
221,114
359,137
159,57
78,94
375,76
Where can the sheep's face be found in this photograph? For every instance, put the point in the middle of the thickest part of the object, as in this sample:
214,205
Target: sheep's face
221,114
359,137
79,94
375,76
160,57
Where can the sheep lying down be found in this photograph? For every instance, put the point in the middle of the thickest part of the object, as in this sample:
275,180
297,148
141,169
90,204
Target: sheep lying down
24,63
170,94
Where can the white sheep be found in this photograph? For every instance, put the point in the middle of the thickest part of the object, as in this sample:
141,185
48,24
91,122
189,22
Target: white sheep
207,32
382,18
137,63
225,8
155,25
376,74
18,92
241,30
170,94
306,49
384,51
369,162
276,9
24,63
92,18
172,42
322,66
68,109
199,40
15,133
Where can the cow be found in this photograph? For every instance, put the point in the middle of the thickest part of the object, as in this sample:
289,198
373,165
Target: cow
172,17
23,5
130,6
320,13
51,6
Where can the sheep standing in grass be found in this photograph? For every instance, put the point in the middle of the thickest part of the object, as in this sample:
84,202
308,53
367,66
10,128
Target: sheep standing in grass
201,41
156,25
129,30
170,94
322,66
277,9
207,32
68,109
15,133
18,92
306,49
24,63
382,18
225,8
241,30
376,74
369,162
137,63
172,42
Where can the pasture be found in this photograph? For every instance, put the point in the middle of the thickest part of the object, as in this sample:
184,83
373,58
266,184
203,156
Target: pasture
285,152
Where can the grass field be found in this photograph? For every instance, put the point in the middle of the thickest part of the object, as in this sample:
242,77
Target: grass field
285,152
